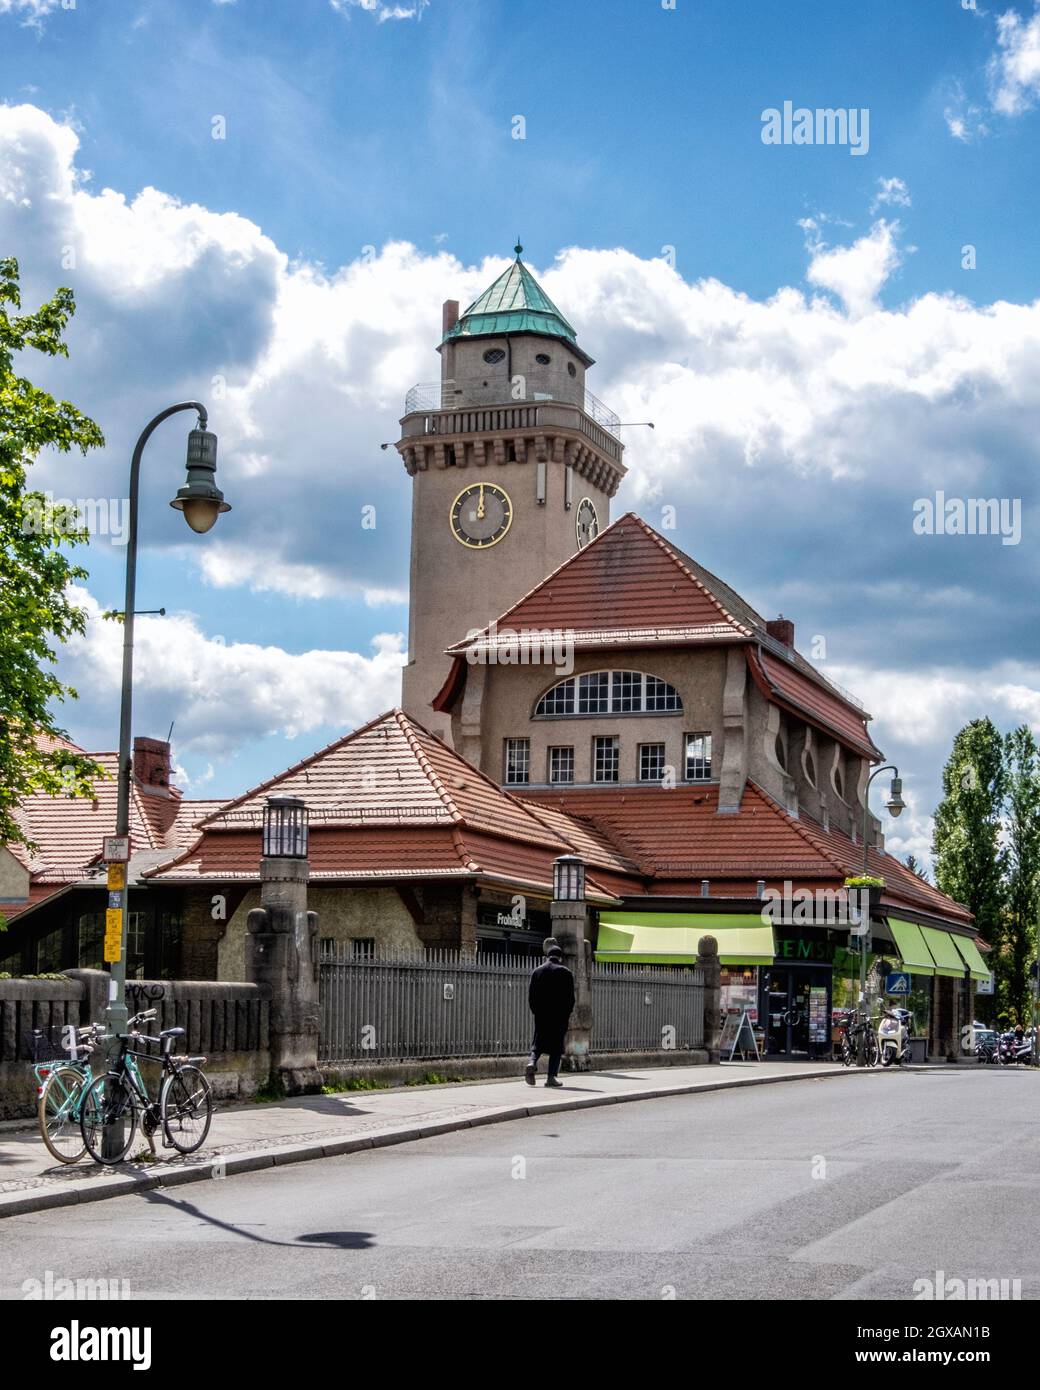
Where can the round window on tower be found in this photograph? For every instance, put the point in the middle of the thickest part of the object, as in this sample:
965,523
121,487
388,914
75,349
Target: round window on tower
543,359
571,369
494,355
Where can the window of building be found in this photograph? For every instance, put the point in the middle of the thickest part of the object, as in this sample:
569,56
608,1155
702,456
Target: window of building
49,952
571,369
90,941
609,692
594,693
627,692
651,762
543,359
605,758
810,768
561,764
362,947
494,355
698,757
781,752
839,782
136,927
170,942
518,761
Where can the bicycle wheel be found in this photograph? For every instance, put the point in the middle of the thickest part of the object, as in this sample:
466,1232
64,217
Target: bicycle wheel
108,1098
870,1047
57,1112
846,1053
186,1107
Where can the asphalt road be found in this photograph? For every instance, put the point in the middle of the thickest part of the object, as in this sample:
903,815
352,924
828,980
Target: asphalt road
847,1188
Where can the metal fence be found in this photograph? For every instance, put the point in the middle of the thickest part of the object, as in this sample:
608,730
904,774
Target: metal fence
443,1004
646,1010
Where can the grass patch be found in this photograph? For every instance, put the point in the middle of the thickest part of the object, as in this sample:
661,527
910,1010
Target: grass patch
432,1078
354,1083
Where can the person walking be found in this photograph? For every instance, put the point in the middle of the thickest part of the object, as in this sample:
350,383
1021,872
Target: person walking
551,998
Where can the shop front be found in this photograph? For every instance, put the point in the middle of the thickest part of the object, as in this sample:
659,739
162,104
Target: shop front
514,926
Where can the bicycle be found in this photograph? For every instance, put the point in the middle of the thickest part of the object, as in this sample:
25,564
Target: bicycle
63,1073
184,1109
862,1037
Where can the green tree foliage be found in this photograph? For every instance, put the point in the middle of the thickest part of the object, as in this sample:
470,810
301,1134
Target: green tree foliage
36,613
1022,881
966,847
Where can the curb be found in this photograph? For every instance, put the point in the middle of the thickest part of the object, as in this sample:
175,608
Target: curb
112,1184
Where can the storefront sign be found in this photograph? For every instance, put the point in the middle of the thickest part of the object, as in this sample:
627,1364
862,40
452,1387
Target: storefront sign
802,948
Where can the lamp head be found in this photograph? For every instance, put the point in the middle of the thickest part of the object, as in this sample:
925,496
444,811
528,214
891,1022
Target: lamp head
895,803
200,499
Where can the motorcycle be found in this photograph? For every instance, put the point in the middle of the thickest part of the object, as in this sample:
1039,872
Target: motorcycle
893,1036
1016,1048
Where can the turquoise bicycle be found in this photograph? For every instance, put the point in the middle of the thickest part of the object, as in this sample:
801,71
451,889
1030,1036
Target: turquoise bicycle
61,1065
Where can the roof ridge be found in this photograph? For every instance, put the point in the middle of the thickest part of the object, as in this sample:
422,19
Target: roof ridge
616,838
404,723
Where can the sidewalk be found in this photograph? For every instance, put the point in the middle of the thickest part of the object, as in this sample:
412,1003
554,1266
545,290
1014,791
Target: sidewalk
248,1137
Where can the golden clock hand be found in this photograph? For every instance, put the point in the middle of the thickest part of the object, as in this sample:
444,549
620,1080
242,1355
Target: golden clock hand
480,504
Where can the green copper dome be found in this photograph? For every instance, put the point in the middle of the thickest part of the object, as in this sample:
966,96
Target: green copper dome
515,303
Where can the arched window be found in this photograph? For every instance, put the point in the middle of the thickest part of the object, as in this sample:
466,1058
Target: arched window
609,692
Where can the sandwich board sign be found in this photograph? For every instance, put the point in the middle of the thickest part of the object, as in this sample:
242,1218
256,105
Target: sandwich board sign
737,1035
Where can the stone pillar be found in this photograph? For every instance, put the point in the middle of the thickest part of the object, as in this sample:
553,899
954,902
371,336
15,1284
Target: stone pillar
282,953
708,962
568,929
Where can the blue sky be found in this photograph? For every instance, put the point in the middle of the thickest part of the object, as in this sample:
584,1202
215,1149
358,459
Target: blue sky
809,359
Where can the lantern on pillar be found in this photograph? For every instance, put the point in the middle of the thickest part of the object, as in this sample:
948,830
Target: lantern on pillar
285,828
569,879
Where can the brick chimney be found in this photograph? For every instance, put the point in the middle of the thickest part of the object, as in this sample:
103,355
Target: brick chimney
449,315
152,763
782,629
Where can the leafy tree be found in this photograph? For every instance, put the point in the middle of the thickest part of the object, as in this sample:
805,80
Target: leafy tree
36,613
966,847
1022,885
916,868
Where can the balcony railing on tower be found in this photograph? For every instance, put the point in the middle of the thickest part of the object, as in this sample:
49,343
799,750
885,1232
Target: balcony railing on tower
448,395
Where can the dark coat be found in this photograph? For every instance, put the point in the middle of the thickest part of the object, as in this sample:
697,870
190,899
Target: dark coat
551,997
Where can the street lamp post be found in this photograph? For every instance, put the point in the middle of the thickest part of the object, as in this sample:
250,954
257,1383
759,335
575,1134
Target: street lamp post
894,805
201,501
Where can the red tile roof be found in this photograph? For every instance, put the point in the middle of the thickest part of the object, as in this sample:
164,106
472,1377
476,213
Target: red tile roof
677,835
806,696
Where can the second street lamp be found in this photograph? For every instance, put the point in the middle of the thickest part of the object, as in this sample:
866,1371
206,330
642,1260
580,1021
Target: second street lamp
201,501
894,805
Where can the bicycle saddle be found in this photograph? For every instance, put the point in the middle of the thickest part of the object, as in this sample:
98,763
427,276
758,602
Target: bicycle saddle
172,1033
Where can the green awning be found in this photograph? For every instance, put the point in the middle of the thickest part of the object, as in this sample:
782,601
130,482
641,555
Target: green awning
972,957
947,958
913,952
670,938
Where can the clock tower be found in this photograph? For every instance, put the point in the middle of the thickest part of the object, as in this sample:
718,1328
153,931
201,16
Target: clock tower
513,464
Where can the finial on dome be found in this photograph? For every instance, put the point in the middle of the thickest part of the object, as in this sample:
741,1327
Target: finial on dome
518,248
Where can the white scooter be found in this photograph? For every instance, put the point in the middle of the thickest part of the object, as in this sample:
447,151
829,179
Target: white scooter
893,1037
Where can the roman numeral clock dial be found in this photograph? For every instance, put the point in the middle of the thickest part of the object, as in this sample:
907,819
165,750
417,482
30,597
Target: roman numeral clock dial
586,523
481,515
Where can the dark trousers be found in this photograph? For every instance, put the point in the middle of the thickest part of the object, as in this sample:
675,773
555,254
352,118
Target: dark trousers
537,1049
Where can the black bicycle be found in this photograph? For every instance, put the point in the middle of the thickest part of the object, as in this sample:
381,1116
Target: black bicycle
858,1039
183,1110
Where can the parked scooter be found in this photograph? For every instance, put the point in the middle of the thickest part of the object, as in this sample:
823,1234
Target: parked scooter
1016,1046
893,1037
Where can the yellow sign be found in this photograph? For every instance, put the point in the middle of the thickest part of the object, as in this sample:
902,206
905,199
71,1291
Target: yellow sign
117,876
113,935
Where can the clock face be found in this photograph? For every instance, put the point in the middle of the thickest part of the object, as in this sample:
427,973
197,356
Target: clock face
481,515
586,523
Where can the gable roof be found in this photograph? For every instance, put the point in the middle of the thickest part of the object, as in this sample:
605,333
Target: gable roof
632,588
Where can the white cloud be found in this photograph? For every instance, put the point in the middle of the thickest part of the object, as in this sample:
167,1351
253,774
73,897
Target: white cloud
381,10
226,695
31,12
1014,70
892,192
858,272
